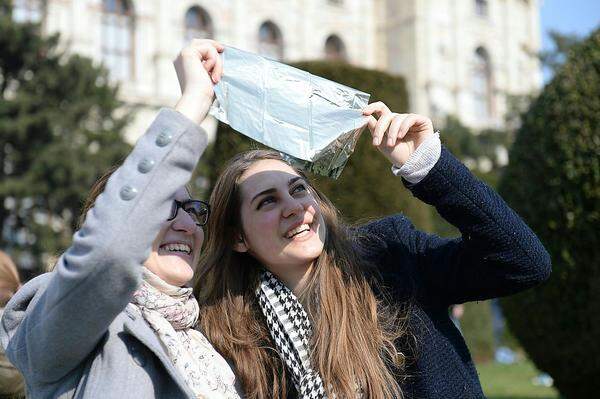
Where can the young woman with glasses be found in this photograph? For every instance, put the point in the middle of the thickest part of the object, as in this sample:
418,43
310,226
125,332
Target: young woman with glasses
115,319
304,306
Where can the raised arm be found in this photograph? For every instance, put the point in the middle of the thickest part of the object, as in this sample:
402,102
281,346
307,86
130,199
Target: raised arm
496,255
96,277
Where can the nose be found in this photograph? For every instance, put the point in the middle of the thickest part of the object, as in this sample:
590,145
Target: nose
292,206
183,222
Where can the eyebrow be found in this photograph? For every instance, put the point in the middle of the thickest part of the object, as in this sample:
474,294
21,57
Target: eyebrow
273,190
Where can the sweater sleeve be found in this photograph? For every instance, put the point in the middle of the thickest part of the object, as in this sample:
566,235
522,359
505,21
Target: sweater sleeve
497,253
97,275
421,161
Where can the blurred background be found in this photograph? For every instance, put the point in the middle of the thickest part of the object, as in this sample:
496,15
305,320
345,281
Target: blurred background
513,86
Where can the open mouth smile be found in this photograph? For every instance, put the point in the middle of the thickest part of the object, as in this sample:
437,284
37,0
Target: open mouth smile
176,248
298,231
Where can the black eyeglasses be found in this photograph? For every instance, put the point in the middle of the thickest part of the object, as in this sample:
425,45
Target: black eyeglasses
198,210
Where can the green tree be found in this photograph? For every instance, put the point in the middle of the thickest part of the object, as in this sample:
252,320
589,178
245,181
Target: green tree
366,189
481,150
562,44
553,182
58,132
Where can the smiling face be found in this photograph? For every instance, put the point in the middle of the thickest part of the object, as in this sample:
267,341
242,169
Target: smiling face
281,220
176,248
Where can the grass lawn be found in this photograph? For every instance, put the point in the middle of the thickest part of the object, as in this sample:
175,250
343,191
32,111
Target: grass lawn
513,381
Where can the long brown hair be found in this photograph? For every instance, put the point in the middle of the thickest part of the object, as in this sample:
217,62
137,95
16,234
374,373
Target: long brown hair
353,331
97,189
9,278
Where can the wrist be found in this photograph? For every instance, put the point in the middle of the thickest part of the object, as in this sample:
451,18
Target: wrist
194,107
421,161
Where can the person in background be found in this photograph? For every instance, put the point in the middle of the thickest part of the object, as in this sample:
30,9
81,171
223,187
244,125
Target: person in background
11,380
502,353
456,313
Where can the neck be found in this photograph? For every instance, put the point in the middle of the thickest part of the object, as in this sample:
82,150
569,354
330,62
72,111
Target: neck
294,278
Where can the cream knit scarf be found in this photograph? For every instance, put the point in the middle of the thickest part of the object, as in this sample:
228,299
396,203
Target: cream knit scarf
172,312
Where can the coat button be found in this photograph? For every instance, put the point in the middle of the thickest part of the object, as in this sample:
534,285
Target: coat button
145,165
163,139
127,193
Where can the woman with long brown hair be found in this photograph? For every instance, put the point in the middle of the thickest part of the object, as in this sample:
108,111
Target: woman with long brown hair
303,305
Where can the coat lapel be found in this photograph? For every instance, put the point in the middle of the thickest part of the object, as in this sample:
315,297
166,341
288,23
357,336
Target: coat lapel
138,327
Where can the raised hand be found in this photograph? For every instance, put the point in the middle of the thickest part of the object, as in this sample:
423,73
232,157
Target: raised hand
199,66
396,136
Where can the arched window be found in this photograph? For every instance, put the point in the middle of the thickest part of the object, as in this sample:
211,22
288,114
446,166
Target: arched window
270,41
335,49
482,84
198,24
117,38
481,8
28,11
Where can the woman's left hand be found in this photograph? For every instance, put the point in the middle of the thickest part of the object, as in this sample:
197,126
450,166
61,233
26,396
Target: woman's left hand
397,136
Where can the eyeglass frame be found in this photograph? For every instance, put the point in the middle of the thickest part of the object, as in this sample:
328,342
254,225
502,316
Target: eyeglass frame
181,204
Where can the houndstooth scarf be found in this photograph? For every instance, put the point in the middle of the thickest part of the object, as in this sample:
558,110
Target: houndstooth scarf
172,312
291,330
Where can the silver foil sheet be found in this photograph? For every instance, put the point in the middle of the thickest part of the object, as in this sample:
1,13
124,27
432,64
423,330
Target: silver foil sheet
313,121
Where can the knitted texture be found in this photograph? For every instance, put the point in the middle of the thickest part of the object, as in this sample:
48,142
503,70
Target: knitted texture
496,255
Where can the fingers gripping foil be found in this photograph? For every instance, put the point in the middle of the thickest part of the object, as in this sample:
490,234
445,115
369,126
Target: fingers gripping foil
313,121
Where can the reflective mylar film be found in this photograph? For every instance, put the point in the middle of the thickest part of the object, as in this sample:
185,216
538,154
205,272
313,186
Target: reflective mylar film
315,122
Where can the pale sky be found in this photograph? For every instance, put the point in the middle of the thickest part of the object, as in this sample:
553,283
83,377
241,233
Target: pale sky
568,16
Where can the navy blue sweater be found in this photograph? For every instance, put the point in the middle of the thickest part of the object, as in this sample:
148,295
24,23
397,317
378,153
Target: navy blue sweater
496,255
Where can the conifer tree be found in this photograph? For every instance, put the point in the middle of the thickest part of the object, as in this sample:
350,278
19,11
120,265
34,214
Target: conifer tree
58,133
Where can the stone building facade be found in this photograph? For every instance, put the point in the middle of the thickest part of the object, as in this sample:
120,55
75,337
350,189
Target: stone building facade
463,57
460,57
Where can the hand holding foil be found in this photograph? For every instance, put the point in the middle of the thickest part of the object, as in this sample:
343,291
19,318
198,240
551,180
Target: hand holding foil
312,120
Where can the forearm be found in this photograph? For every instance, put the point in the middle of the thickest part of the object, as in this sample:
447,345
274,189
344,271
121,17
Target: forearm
498,253
194,107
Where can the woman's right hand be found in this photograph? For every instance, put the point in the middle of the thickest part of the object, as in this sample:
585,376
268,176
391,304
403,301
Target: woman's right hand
199,66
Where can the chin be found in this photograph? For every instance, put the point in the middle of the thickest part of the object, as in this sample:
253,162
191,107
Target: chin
177,273
306,255
179,281
313,249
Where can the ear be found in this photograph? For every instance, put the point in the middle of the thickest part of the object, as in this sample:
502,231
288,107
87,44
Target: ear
240,244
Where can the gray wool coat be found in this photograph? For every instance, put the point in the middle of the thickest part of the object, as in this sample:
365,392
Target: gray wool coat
70,332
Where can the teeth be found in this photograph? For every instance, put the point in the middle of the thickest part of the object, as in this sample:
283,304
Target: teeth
177,248
297,230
